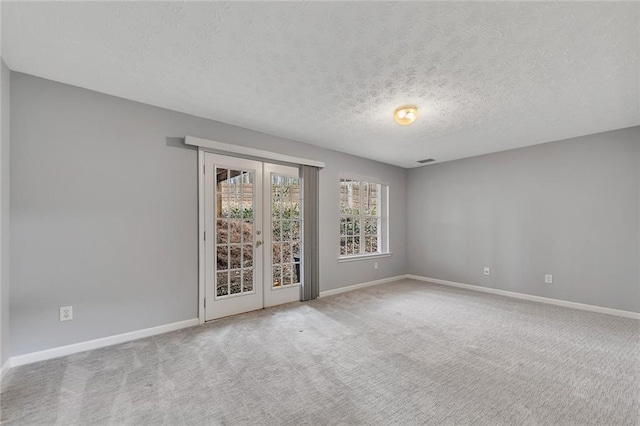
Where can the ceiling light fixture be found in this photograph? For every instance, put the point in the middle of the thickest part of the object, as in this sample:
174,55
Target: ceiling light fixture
406,114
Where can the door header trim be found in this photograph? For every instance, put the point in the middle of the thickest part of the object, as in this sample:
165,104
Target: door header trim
251,152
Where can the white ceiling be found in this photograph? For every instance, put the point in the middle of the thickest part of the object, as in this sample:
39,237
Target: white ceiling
486,76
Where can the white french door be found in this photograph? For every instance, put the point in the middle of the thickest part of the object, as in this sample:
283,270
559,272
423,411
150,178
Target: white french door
283,236
252,235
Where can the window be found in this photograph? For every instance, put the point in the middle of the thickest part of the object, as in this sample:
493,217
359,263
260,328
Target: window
363,218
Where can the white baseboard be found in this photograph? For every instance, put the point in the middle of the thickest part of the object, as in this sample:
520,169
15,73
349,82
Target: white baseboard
566,304
147,332
361,285
98,343
5,368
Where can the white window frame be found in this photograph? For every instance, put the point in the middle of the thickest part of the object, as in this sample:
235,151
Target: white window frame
383,226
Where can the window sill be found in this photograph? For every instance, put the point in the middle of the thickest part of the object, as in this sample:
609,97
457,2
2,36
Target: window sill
342,259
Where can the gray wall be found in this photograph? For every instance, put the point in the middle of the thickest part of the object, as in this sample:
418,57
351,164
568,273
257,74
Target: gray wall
5,84
104,213
569,208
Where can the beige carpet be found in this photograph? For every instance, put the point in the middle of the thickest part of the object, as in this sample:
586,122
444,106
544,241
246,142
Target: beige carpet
400,353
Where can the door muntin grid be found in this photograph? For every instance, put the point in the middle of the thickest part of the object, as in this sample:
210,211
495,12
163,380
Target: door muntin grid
286,231
235,205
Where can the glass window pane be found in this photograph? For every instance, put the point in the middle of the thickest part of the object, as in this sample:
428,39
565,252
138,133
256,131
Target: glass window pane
220,205
349,197
221,180
276,254
247,231
247,280
234,193
286,230
235,282
222,258
287,256
277,276
276,231
222,285
353,197
287,274
295,250
371,244
296,270
374,200
236,257
296,231
247,256
371,226
356,226
234,231
222,231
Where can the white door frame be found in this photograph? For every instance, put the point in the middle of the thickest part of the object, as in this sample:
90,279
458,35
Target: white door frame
202,149
202,267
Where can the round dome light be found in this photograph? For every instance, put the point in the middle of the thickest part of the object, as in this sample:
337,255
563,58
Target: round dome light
406,115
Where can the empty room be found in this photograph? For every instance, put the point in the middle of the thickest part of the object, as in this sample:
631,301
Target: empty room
320,213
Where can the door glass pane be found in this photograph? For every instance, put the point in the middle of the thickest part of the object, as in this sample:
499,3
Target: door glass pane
234,283
234,232
247,280
247,195
247,231
247,256
222,284
277,275
285,230
222,258
222,231
235,257
287,274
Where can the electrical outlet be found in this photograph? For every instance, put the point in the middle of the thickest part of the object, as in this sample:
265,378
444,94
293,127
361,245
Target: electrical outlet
548,278
375,265
66,313
487,270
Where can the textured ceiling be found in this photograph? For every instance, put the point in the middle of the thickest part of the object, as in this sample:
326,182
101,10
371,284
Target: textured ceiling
486,76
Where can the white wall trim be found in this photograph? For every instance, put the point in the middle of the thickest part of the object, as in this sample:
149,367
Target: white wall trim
550,301
202,291
356,257
98,343
5,368
227,148
361,285
153,331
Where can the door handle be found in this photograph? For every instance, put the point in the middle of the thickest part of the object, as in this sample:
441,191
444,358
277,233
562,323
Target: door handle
258,243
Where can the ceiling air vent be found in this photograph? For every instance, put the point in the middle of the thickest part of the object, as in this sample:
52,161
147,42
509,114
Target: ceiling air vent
428,160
